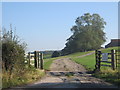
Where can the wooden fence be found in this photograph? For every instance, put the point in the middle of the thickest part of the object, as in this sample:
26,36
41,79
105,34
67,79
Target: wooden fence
38,59
107,59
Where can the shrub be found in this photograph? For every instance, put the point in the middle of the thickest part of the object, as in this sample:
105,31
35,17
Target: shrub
12,53
55,54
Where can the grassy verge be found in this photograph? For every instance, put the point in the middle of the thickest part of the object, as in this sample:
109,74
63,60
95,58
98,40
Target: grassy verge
109,75
48,62
30,75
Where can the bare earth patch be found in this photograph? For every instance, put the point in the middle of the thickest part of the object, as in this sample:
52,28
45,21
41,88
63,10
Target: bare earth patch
66,64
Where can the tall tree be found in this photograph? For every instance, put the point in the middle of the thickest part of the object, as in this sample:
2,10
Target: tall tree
87,35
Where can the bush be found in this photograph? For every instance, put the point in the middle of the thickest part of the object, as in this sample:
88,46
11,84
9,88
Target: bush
55,54
12,53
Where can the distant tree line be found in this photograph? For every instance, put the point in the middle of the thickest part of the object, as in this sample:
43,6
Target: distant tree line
87,35
47,52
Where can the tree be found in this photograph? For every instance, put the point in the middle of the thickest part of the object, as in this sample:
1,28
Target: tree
87,34
55,54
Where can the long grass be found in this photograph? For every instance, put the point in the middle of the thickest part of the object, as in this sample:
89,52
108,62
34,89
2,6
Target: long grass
30,75
109,75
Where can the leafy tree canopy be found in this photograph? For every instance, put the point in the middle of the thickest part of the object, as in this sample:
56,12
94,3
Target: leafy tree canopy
87,35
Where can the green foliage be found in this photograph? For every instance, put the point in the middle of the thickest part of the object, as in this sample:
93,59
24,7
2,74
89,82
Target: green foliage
55,54
109,75
30,75
12,53
87,34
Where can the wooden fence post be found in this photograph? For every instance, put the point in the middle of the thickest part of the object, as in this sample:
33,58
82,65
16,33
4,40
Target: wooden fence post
35,59
116,58
113,59
38,59
29,57
99,59
41,61
96,57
